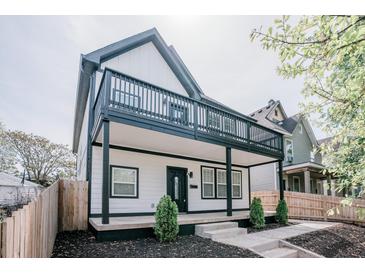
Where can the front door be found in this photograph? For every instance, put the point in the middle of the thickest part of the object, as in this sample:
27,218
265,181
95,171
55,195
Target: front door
176,186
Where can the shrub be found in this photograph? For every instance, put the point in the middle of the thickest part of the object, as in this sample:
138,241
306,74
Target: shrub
282,212
257,217
166,227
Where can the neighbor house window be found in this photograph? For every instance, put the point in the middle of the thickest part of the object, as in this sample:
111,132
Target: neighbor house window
236,184
124,181
289,150
208,182
221,183
295,184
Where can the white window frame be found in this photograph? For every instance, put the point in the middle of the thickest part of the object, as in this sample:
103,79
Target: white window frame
237,184
286,149
220,183
115,195
207,182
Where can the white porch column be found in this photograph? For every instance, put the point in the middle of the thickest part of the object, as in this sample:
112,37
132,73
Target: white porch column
307,179
333,186
325,188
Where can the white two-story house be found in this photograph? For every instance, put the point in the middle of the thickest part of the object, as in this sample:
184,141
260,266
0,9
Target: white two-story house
144,128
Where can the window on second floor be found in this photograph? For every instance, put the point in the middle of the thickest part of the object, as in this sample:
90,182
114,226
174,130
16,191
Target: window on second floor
289,153
312,156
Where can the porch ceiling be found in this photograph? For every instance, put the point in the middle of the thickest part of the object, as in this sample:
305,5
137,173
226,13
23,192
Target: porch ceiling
140,138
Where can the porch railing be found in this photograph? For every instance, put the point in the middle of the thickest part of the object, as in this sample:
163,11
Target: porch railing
125,94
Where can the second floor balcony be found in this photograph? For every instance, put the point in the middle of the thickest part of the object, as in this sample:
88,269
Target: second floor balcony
143,104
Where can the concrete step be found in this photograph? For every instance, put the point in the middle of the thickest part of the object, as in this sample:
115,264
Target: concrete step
224,233
280,252
200,229
267,245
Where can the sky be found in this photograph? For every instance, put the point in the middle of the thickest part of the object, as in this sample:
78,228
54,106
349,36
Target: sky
40,60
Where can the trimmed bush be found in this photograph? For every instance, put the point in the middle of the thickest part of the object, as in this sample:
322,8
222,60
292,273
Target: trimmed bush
282,212
166,227
257,217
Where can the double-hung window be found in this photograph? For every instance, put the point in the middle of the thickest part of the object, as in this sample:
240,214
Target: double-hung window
289,153
208,180
236,184
221,183
124,182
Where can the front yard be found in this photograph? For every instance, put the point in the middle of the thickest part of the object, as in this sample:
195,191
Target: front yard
340,241
83,244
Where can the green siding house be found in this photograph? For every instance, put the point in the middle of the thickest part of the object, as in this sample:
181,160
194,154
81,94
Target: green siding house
302,165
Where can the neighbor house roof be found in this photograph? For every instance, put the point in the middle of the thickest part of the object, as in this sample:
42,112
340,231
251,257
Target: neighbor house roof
90,62
11,180
287,125
262,114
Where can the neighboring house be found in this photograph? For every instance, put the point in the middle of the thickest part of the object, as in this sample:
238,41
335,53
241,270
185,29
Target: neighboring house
302,165
15,191
144,128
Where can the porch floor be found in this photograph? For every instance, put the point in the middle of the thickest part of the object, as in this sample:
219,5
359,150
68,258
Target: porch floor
133,222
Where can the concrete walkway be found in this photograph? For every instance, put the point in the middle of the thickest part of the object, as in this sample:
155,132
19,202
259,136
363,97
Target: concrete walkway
258,240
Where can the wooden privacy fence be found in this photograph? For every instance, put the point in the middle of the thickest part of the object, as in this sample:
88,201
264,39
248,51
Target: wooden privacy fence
72,206
31,230
312,206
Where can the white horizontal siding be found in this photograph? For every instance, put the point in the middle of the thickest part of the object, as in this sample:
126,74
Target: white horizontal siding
147,64
152,183
82,149
263,177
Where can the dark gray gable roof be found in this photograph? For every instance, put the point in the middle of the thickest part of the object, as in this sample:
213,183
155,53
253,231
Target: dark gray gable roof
90,62
290,123
261,115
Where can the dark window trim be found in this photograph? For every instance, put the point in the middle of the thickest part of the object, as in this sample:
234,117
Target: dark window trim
201,183
216,185
111,182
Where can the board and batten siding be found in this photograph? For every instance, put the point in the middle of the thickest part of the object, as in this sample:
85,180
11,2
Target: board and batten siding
152,183
147,64
82,149
264,177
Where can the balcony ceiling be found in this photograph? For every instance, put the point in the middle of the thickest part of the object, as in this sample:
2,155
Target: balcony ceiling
140,138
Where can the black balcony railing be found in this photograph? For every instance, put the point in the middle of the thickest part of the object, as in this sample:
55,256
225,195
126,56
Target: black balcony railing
124,94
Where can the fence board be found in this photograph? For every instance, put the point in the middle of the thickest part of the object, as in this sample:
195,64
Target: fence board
73,212
311,206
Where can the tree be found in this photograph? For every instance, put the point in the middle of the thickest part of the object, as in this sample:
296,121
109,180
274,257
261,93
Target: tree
42,160
257,215
166,227
7,156
329,53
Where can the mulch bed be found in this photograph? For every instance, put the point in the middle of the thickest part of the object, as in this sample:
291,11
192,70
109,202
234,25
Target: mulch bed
83,244
340,241
267,227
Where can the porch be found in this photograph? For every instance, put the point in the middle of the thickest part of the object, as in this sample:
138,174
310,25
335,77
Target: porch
135,222
133,227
